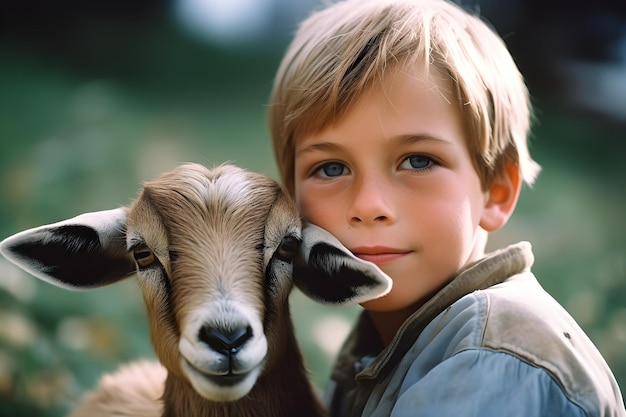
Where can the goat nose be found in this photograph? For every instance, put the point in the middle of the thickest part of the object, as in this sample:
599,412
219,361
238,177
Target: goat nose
225,341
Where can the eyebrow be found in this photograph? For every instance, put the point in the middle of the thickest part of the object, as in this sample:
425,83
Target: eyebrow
411,139
321,146
408,139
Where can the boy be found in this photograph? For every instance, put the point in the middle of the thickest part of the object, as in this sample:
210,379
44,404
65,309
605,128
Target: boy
401,127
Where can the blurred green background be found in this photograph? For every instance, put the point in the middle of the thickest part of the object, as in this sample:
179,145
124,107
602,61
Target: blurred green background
96,97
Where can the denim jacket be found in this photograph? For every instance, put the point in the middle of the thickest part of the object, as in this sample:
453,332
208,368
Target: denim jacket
490,343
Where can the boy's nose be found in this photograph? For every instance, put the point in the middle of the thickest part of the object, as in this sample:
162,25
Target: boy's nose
371,203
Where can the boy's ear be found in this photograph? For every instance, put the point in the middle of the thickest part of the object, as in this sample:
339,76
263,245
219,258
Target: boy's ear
501,198
329,273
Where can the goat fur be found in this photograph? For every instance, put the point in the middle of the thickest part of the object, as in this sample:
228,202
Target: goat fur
215,251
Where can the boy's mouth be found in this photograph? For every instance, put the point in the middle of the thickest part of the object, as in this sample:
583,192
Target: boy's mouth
378,254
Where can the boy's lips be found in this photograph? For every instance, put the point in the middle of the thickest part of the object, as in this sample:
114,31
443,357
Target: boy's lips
378,254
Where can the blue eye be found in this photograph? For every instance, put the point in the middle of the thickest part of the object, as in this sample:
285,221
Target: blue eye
417,162
332,169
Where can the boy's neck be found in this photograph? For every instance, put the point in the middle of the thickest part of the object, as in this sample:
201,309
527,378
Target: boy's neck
387,323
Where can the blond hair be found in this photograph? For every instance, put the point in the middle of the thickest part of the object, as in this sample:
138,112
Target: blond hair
340,51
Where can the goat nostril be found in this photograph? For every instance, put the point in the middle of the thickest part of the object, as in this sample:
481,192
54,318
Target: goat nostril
225,341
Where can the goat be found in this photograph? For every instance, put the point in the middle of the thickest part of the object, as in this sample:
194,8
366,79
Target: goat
216,254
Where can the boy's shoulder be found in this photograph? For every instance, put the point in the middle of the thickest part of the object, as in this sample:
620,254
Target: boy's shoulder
520,319
516,316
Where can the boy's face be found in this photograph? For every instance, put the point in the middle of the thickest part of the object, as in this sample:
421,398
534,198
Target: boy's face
394,182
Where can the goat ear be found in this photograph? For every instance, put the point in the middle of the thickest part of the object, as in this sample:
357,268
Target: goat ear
329,273
84,252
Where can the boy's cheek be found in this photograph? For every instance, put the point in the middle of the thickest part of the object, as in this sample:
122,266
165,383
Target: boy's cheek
309,210
307,199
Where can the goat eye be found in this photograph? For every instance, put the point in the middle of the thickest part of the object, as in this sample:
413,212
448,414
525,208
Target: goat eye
143,256
287,248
